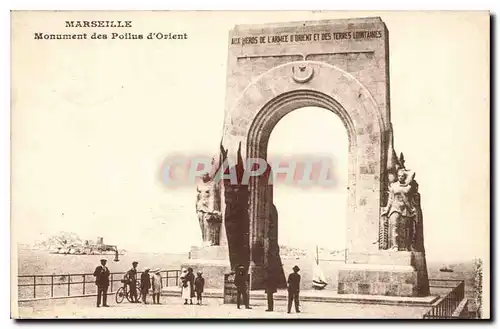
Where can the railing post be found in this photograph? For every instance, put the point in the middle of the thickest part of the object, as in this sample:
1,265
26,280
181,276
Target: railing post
111,283
69,285
84,284
52,286
34,286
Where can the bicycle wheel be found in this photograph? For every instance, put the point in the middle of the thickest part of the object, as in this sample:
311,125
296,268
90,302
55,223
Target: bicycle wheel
120,295
139,294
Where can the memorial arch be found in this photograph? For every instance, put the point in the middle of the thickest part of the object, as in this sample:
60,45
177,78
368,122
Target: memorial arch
278,92
342,66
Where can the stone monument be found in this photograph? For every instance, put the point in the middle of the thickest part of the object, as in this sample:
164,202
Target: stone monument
342,66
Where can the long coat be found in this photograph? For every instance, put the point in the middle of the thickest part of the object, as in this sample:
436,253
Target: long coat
190,282
157,284
294,282
101,274
145,281
199,284
240,280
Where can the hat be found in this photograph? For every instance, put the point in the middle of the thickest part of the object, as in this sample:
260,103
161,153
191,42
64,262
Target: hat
135,263
296,268
241,266
184,270
199,272
104,260
146,269
156,270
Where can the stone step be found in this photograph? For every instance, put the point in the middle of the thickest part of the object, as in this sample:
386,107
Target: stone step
320,296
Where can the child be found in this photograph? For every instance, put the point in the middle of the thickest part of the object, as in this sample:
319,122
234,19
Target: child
199,283
157,286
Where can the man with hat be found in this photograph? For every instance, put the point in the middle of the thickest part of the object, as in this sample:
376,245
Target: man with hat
132,282
293,289
240,281
145,284
101,274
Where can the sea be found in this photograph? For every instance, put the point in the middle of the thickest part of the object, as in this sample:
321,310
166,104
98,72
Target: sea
42,262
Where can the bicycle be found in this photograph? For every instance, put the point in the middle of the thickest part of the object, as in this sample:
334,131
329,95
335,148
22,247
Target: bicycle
123,292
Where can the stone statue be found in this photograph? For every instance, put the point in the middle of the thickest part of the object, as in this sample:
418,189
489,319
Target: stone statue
208,210
210,227
401,211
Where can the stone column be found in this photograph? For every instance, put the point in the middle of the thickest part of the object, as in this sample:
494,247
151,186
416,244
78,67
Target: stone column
258,234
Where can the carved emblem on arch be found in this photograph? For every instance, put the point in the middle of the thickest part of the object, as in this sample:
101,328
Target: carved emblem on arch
302,72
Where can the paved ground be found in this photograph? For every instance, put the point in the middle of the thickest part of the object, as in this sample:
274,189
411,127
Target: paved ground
172,307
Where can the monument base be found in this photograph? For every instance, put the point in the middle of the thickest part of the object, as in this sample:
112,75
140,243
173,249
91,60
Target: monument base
387,273
257,277
210,252
212,261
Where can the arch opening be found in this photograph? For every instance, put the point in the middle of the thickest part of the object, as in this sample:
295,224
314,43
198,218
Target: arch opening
263,232
311,202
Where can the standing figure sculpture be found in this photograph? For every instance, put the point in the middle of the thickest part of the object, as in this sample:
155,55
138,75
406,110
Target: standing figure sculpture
401,212
208,210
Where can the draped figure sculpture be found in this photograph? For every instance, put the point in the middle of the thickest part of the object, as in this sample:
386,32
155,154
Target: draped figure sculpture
401,212
208,210
401,221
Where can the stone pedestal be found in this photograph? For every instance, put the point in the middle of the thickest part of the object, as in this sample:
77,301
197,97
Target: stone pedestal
387,273
257,276
213,261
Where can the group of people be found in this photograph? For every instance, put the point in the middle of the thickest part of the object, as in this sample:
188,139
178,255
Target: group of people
293,285
192,286
149,280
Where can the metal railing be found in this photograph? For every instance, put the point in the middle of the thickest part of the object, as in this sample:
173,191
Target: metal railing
447,305
44,286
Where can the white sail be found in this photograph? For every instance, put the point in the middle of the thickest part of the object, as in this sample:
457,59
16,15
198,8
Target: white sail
319,279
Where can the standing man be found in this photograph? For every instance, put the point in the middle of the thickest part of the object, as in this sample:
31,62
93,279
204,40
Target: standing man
101,274
271,288
132,282
240,281
293,289
145,284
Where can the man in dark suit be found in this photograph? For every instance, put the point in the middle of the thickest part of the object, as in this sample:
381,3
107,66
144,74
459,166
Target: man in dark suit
271,288
101,274
132,282
240,281
293,289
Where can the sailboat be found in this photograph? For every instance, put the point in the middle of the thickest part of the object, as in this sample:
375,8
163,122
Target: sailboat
319,280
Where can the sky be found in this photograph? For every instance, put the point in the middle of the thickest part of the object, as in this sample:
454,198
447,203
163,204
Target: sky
93,121
321,215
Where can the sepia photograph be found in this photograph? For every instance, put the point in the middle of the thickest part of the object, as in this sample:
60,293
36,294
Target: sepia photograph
250,165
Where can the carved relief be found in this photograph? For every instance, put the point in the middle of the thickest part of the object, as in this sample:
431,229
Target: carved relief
401,218
302,73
